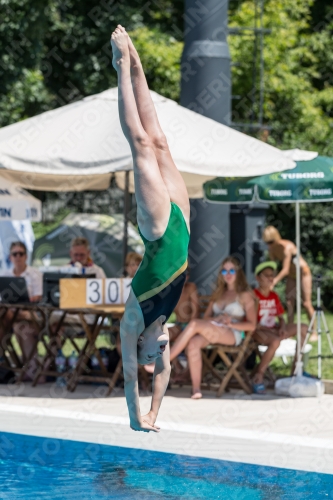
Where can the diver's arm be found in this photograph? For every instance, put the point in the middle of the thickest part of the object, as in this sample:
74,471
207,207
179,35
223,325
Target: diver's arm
130,368
160,383
130,328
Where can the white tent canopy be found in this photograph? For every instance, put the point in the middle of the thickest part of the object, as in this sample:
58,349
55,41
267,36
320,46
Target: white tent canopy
79,146
17,204
300,154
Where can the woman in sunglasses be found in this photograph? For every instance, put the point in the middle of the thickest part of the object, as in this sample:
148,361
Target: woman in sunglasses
285,251
20,269
231,312
25,330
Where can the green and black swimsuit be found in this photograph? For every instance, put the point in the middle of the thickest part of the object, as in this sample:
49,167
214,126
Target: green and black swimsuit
159,281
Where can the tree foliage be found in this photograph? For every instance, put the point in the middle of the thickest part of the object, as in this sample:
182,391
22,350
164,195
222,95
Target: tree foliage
298,89
54,52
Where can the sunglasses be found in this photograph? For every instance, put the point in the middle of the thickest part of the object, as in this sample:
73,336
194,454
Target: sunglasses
270,242
224,272
18,254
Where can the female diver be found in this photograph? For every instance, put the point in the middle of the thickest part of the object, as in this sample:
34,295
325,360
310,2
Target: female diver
163,218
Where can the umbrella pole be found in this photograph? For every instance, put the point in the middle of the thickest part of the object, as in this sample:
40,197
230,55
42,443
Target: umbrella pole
126,210
299,364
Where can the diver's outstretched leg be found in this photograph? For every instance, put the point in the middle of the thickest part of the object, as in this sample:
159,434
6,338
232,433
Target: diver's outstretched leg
150,190
148,117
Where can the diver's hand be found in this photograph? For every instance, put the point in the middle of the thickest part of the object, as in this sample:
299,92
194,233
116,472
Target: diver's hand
150,419
143,426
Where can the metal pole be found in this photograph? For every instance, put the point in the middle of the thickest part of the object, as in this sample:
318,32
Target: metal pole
319,328
254,69
261,88
299,364
126,210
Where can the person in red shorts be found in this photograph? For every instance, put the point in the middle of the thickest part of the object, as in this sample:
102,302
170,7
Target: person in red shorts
271,327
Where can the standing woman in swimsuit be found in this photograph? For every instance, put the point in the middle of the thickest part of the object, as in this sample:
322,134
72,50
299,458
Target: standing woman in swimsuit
231,312
285,251
163,213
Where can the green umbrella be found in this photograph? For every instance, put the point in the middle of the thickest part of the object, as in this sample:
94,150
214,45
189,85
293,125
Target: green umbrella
310,181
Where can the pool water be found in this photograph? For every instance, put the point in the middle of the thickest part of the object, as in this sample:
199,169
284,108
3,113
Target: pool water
53,469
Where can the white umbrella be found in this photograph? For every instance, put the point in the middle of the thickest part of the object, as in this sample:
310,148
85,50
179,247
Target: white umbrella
79,145
17,204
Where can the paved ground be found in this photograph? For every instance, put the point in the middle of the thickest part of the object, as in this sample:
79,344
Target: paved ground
268,430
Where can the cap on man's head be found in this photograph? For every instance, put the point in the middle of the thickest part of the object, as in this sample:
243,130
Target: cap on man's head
264,265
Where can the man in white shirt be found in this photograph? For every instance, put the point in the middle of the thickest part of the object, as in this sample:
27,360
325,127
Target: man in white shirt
80,257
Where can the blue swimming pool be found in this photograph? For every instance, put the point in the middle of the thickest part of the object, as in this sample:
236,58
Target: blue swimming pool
53,469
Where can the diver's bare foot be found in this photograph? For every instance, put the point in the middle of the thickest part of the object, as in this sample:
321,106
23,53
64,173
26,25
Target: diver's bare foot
196,395
313,337
119,44
135,58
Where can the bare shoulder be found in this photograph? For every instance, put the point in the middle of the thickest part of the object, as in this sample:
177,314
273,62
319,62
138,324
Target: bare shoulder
247,296
289,246
99,272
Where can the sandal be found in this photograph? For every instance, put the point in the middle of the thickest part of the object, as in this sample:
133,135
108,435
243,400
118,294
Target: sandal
258,388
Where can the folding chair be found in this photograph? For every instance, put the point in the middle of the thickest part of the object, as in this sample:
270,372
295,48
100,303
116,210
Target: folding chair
54,338
234,358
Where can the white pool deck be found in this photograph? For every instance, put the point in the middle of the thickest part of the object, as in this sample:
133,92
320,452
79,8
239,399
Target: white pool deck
264,430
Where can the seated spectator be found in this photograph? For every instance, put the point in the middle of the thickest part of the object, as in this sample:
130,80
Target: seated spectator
80,257
187,307
132,262
80,253
186,310
272,327
25,331
230,313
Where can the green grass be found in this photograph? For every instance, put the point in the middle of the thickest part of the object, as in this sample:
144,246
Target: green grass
280,369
